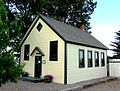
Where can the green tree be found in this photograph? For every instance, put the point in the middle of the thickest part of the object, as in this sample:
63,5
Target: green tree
9,70
116,44
73,12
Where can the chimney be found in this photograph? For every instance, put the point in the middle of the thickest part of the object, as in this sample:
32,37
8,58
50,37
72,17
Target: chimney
82,27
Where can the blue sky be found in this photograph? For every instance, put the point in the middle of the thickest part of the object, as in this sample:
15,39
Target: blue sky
105,21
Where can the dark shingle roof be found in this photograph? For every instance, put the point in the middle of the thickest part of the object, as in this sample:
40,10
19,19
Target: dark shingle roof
73,34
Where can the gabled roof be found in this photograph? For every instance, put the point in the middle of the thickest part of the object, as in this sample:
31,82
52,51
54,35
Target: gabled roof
71,34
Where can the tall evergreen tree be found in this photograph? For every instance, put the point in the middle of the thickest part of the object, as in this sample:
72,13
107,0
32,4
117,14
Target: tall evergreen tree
116,44
9,70
73,12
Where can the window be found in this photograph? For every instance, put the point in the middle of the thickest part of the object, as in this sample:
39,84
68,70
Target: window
90,59
39,26
26,52
53,50
96,59
102,59
81,59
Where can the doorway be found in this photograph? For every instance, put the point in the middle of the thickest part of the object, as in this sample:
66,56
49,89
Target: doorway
38,66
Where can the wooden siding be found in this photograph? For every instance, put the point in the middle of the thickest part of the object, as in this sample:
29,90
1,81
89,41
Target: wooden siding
76,74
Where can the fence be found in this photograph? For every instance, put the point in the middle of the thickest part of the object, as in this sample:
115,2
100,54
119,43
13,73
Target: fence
114,67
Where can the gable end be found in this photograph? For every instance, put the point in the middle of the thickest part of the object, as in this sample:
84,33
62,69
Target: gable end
51,28
32,26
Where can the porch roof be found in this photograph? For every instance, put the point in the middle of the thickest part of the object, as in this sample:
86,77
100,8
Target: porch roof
39,50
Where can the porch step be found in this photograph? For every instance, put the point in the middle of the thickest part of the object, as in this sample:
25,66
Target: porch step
31,79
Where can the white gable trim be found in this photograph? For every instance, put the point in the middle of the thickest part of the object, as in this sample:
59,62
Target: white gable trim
29,30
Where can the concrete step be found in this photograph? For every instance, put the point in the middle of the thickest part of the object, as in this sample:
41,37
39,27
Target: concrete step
31,79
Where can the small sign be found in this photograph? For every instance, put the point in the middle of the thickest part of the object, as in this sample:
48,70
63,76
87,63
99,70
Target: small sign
44,61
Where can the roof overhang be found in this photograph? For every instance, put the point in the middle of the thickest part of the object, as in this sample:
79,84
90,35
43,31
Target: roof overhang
75,43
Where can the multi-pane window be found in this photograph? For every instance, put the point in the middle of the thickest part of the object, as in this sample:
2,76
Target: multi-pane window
102,59
90,59
96,59
53,50
81,59
26,52
39,26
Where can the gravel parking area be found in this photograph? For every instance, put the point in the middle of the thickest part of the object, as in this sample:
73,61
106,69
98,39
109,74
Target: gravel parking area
107,86
31,86
102,85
